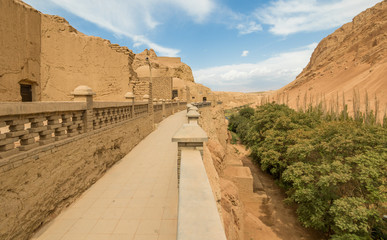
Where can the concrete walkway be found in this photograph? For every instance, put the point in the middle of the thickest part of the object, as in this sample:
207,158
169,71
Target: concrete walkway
135,200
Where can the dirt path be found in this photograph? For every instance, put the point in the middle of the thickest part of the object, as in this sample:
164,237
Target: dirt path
268,217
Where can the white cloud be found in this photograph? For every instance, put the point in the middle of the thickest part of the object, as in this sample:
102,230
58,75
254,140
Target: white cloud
269,74
132,19
244,23
198,9
245,53
249,27
291,16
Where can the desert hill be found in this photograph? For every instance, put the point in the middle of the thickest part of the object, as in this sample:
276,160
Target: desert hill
350,62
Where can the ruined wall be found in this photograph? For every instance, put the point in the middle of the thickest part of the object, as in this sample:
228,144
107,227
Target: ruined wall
197,92
162,88
169,60
191,91
49,181
70,58
19,49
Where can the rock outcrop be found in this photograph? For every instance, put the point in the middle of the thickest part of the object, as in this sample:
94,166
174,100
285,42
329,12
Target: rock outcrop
70,58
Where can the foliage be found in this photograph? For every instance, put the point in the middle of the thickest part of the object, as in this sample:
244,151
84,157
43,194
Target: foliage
333,167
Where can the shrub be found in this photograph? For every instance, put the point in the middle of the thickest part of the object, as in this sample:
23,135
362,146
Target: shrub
333,167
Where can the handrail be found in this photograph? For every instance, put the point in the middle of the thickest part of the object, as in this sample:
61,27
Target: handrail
198,216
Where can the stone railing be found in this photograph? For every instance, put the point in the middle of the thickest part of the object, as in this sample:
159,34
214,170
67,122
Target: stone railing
157,107
198,216
202,104
26,126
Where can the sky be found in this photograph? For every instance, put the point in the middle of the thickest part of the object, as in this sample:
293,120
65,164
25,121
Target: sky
231,45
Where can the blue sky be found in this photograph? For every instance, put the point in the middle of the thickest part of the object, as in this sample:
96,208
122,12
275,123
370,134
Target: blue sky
244,45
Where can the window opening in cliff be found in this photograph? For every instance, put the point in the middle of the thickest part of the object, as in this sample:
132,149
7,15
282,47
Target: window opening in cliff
26,92
204,99
174,94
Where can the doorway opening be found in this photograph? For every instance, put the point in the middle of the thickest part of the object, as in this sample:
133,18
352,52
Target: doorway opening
26,92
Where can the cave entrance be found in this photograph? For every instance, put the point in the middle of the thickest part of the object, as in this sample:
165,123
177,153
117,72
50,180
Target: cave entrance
26,92
174,94
204,99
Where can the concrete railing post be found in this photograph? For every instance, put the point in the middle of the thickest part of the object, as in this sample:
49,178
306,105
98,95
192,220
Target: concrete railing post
178,103
189,105
189,136
194,186
148,100
129,96
193,117
154,101
85,94
163,108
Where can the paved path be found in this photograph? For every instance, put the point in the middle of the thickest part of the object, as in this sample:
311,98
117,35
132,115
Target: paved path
135,200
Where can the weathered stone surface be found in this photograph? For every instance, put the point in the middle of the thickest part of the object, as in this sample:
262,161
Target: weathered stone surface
9,153
8,141
28,147
17,133
62,70
20,48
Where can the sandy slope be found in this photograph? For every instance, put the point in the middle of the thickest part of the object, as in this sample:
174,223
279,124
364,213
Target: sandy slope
354,57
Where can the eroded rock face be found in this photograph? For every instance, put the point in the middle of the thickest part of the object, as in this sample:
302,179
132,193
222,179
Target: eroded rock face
236,99
70,58
19,48
353,57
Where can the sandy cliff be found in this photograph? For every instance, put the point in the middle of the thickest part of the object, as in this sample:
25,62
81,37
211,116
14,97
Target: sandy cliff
235,99
353,57
19,48
70,58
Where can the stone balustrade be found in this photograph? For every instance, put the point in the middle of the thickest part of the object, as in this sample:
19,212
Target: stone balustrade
198,216
157,107
26,126
29,125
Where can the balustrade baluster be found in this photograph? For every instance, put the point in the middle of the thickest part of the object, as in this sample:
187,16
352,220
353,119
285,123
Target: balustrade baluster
7,143
78,121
